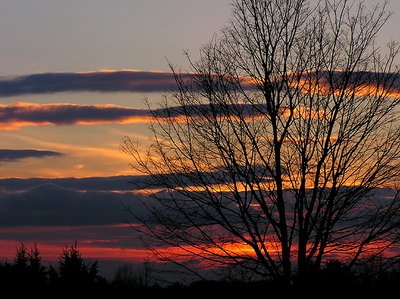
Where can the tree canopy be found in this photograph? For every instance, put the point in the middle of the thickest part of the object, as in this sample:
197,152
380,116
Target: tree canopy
283,150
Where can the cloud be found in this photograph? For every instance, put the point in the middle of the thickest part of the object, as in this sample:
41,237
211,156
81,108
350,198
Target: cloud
13,116
56,212
14,155
158,81
116,183
52,205
81,201
17,115
98,81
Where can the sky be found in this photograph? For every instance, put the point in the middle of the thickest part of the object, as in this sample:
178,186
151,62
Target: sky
40,37
74,77
69,36
62,174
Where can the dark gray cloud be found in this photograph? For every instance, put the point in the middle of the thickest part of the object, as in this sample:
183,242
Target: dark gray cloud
53,205
28,114
84,201
88,207
14,155
121,236
119,183
101,81
151,81
116,183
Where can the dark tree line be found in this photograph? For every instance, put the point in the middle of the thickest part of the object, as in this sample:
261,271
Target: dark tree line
73,276
27,272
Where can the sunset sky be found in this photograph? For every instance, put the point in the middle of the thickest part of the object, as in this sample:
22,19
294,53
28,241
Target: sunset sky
73,79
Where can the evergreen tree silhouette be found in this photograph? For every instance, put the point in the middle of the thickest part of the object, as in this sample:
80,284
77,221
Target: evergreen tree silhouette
74,271
20,271
21,257
37,272
26,272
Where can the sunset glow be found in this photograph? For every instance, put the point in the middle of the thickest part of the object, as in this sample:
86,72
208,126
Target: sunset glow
256,138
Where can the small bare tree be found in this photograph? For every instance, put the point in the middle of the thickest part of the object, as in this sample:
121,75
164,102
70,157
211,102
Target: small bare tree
274,155
128,277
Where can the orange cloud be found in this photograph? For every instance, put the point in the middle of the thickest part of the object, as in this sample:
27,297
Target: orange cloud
14,116
361,84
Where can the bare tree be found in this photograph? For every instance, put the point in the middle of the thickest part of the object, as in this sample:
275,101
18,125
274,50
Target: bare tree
274,154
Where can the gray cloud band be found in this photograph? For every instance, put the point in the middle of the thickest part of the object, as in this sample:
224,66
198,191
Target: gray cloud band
53,205
13,155
155,81
28,114
102,81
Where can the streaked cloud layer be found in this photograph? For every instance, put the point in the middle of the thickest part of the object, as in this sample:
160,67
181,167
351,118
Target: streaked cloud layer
147,81
13,116
58,211
55,212
53,205
113,183
28,114
15,155
97,81
77,201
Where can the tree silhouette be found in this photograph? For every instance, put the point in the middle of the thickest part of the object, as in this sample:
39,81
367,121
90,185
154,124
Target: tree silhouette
26,272
273,153
38,275
21,258
74,272
125,277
